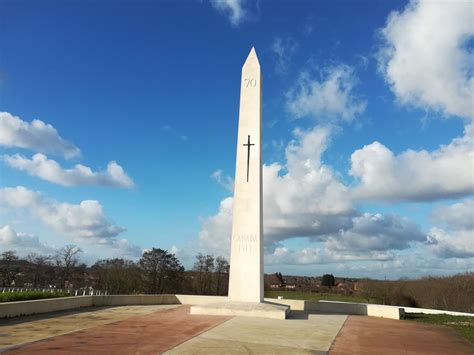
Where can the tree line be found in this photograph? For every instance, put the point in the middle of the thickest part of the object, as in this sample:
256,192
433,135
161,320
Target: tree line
156,272
159,271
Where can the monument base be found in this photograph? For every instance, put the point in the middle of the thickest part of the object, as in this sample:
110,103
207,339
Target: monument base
243,309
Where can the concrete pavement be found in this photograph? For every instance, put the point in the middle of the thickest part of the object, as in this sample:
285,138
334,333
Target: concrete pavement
171,329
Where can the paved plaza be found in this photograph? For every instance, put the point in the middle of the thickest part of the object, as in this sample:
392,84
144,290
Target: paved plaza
171,329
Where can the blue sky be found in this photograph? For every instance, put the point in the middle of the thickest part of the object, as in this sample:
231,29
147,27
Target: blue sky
368,145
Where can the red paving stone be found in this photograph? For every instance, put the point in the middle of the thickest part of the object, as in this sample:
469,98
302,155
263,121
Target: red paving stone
150,334
369,335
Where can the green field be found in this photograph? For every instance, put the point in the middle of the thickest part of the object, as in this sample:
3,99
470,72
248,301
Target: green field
461,324
309,296
30,295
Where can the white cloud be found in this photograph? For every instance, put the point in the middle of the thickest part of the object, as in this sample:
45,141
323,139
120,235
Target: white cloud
36,135
375,232
215,231
23,243
170,130
85,224
309,26
415,175
119,248
85,220
283,50
453,234
301,198
51,171
304,198
368,237
451,244
234,9
457,216
417,263
331,99
425,58
174,250
310,255
225,181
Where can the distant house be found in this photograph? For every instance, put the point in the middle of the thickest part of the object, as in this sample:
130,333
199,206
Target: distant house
280,285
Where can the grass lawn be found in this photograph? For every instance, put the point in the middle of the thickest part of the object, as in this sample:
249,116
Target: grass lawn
461,324
310,296
30,295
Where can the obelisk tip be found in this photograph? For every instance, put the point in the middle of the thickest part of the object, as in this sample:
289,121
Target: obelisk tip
252,57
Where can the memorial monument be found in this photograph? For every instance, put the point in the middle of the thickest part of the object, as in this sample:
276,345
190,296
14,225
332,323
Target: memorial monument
246,256
246,259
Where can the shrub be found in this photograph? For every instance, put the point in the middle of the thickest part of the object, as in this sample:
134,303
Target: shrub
30,295
401,299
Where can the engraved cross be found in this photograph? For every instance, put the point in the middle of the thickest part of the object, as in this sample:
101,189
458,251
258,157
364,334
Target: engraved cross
248,145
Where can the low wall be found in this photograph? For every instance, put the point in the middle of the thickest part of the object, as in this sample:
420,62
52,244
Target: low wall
23,308
334,307
198,300
128,300
295,305
381,311
436,311
322,306
341,307
134,300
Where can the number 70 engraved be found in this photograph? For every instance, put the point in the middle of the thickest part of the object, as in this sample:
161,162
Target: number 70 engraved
250,83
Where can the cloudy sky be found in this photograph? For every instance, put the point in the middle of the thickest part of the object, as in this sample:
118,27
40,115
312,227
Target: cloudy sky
118,127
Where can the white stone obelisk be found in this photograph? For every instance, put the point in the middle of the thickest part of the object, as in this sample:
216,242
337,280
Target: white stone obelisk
246,259
246,255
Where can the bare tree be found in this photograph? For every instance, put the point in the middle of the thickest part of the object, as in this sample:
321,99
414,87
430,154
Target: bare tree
9,256
368,289
222,275
199,266
40,262
66,260
204,266
117,276
7,273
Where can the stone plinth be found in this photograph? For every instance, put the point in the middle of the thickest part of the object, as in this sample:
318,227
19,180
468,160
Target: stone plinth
243,309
